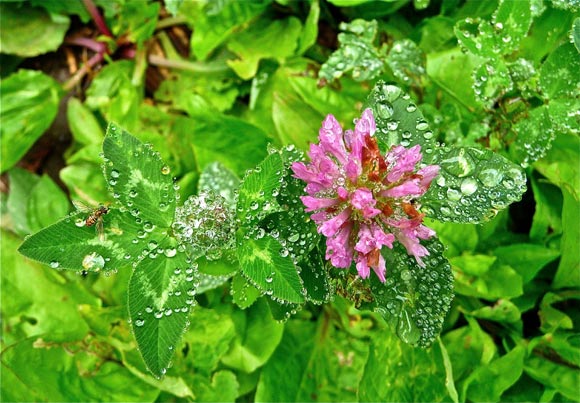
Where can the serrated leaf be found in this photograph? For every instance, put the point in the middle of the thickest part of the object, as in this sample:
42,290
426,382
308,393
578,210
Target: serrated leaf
472,186
29,31
29,105
399,121
414,300
139,177
160,296
243,292
534,136
356,53
315,278
70,244
560,73
490,81
407,61
219,179
511,21
258,191
264,263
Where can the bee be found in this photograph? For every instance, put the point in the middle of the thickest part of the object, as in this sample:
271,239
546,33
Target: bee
95,217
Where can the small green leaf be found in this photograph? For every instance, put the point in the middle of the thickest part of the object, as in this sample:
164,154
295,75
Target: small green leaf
28,31
560,73
83,123
502,311
569,267
310,31
552,318
45,202
356,53
487,383
492,282
160,297
243,292
139,179
407,61
29,105
472,186
576,33
511,22
219,179
491,80
560,163
288,107
527,259
534,136
70,244
264,263
414,300
399,121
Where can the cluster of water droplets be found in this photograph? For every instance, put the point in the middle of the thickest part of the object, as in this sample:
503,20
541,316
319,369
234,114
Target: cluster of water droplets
205,225
406,60
415,300
472,186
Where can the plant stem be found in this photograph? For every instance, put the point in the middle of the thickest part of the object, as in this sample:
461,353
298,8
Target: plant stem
74,80
168,22
189,66
97,18
98,47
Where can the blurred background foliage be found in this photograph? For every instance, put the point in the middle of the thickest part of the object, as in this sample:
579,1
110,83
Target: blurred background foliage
207,81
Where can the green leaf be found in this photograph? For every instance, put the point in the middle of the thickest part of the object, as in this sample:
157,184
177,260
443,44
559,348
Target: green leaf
398,120
548,214
83,124
160,297
511,21
487,383
414,300
173,6
407,61
396,372
489,282
560,73
287,108
88,375
552,318
356,53
560,163
313,363
224,387
70,244
137,21
28,31
472,186
569,267
219,179
491,80
76,177
243,292
502,311
264,263
310,31
457,238
29,105
214,26
114,95
265,39
527,259
139,179
208,338
534,136
250,349
576,33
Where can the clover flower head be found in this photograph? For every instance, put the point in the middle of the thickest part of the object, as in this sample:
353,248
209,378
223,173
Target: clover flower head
361,200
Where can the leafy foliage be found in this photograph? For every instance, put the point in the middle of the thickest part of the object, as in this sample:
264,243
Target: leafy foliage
222,97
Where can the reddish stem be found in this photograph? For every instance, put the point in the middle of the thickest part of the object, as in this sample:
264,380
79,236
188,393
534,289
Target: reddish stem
97,18
95,46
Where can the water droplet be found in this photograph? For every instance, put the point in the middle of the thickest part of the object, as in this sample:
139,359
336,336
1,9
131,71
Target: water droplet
54,264
139,322
422,125
93,261
391,92
165,170
115,174
453,194
490,177
468,186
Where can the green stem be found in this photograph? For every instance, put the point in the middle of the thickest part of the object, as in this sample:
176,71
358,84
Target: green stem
169,22
196,67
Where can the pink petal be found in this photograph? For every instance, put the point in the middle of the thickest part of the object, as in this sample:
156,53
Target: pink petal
331,226
408,188
314,203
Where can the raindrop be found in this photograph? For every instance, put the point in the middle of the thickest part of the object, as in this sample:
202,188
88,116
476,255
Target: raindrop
115,174
468,186
139,322
165,170
54,264
490,177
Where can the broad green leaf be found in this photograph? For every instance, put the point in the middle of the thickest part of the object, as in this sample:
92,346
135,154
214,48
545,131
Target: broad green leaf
68,7
527,259
534,136
305,120
457,238
356,53
88,375
414,300
553,318
114,95
502,311
550,29
78,175
399,121
554,371
562,116
548,214
214,26
219,179
310,31
235,143
560,165
29,105
560,73
569,267
313,363
396,372
475,265
576,33
45,203
39,302
161,295
83,123
137,21
208,338
511,21
268,267
265,39
487,383
407,61
478,37
71,244
29,31
250,349
243,292
139,179
223,387
495,281
472,186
